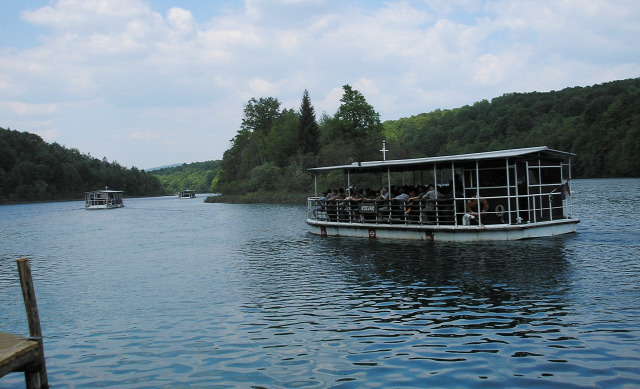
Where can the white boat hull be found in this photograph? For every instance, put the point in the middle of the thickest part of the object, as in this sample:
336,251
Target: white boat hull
445,233
104,206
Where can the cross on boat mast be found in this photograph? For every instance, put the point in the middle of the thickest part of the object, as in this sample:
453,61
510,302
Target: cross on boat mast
384,150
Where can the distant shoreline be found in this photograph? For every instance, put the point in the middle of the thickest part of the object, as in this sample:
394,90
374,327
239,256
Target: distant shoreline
259,198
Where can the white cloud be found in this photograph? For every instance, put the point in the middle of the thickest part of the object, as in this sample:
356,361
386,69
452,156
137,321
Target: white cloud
22,109
144,135
49,135
144,73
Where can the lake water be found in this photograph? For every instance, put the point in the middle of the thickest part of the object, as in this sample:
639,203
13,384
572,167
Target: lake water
179,293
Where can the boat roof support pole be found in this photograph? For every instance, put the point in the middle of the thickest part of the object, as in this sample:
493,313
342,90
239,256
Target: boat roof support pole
515,171
435,188
526,164
478,192
540,188
453,193
315,183
570,206
509,191
389,181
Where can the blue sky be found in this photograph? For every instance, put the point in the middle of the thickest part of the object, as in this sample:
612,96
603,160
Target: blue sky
157,82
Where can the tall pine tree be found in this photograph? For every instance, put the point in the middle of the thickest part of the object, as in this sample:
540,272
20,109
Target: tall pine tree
308,133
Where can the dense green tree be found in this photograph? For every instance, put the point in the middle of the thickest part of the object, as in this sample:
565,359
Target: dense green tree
259,117
281,145
33,170
309,133
357,125
196,176
356,119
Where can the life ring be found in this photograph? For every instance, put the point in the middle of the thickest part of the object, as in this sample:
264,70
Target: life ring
500,212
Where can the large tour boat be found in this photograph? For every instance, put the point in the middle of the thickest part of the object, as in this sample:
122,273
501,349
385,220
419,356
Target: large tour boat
103,199
497,195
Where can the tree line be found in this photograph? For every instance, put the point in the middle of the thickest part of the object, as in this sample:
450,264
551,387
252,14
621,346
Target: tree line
196,176
274,147
269,156
599,123
34,170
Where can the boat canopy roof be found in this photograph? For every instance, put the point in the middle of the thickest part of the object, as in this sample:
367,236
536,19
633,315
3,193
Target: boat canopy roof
105,190
402,164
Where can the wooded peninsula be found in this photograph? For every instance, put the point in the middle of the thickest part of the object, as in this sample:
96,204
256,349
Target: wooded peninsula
274,147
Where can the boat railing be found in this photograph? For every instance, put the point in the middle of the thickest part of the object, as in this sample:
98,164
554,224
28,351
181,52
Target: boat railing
92,200
415,211
530,208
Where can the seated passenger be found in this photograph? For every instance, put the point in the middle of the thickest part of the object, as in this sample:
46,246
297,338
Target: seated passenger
475,206
384,194
321,205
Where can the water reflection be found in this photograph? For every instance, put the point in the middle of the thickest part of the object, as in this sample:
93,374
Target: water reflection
389,303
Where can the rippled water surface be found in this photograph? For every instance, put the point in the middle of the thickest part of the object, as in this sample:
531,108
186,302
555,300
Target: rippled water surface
179,293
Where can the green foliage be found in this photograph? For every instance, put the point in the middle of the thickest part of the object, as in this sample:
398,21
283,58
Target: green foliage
355,126
33,170
599,123
282,143
264,177
196,176
309,132
355,118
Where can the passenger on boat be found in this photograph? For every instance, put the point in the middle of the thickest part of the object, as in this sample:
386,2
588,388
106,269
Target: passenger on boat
329,193
403,196
430,201
432,193
321,206
475,206
411,205
384,194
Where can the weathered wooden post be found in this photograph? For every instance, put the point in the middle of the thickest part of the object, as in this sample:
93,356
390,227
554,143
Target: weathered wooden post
34,379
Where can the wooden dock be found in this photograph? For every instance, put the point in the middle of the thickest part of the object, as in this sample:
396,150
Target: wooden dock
19,354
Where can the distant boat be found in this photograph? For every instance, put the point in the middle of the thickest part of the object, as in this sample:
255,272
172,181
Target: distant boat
497,195
187,194
103,199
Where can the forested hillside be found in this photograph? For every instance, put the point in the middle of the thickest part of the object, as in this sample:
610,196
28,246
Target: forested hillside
196,176
274,147
268,158
33,170
601,124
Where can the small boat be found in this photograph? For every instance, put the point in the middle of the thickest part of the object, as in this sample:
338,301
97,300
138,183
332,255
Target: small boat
498,195
103,199
187,194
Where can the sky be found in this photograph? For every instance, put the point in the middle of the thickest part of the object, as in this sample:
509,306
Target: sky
150,83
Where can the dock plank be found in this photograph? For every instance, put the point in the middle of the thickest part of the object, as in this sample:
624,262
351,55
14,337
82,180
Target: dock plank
18,354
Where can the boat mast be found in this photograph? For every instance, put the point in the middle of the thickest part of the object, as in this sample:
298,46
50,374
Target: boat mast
384,158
